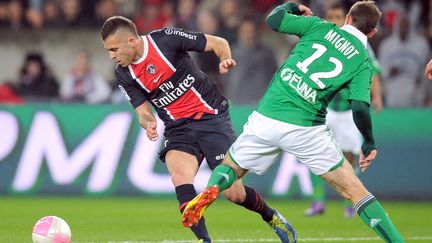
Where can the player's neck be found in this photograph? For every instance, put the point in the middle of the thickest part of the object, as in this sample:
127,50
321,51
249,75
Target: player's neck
140,50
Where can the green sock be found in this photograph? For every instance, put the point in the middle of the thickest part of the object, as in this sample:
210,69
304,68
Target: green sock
223,176
373,214
318,194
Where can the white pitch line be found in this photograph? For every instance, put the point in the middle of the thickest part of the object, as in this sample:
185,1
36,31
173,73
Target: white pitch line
415,238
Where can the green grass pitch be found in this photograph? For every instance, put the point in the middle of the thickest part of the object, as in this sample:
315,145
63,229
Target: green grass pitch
139,219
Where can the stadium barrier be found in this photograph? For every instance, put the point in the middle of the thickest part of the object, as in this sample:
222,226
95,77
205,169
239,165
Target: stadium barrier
76,149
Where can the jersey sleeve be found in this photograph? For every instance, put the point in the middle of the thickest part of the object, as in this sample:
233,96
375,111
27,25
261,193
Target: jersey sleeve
359,87
376,67
131,90
183,40
299,25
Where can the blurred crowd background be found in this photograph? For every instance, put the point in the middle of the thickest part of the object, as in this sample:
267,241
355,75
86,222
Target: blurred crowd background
51,49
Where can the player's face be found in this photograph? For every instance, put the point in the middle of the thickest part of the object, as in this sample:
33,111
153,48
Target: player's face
120,49
336,16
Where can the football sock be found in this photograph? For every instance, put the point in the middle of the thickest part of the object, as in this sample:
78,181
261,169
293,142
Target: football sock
223,176
318,194
374,216
256,203
185,193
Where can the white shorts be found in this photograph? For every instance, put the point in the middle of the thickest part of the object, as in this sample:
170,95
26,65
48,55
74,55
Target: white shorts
346,134
264,139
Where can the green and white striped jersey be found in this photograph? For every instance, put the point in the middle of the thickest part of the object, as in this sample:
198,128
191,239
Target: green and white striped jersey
326,60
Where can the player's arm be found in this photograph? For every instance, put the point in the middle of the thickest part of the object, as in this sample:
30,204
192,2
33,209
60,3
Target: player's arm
362,120
285,18
221,48
147,120
428,70
376,96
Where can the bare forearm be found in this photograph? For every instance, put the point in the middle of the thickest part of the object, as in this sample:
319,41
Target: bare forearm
219,46
145,115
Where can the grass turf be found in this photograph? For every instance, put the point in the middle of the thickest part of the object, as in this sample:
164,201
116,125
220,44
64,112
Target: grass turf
140,219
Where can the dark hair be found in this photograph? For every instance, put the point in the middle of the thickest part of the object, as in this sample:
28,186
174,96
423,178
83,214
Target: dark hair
365,16
113,24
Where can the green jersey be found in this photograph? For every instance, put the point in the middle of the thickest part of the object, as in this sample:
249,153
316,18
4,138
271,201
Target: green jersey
340,101
326,60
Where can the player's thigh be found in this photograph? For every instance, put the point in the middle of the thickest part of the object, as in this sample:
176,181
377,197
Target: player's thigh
344,181
256,148
214,137
345,131
182,166
314,147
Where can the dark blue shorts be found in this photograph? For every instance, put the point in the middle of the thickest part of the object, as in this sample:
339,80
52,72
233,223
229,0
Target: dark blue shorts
210,139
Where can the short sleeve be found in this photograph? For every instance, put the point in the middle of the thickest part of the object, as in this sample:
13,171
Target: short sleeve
183,40
130,89
359,86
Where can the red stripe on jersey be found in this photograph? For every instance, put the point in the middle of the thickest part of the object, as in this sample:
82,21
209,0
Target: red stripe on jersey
154,69
189,104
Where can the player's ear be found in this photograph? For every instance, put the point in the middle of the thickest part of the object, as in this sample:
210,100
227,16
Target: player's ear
372,33
348,20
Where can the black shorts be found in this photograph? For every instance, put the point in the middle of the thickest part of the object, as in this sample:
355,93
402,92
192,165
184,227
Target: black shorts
210,139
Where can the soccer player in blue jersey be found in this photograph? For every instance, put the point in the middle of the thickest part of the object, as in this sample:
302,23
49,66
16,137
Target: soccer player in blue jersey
156,69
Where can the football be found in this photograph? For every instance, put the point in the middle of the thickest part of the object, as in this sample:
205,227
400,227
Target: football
51,229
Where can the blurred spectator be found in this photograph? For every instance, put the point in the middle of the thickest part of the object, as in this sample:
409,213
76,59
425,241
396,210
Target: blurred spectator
150,16
72,14
8,94
52,14
3,13
35,78
15,15
256,64
230,16
104,10
186,15
34,18
403,56
208,62
83,84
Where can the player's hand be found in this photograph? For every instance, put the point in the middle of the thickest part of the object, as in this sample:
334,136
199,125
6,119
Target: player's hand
428,70
377,103
151,131
305,10
366,162
226,65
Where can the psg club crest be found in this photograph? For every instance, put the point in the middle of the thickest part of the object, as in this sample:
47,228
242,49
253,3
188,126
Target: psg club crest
151,69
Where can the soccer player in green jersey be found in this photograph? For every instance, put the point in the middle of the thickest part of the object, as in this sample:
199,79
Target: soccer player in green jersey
291,115
339,119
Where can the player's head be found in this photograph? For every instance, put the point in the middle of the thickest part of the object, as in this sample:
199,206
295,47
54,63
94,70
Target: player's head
120,37
364,16
335,13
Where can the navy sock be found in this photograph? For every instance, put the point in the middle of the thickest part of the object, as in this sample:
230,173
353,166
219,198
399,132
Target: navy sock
256,203
185,193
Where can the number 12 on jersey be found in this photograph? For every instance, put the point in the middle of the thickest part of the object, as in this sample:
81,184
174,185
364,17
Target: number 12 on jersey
315,77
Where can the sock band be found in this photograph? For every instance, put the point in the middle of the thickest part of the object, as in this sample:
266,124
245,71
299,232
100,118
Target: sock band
364,202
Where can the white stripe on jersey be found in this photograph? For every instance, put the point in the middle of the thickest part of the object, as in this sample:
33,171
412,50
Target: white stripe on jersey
161,54
169,114
137,79
203,101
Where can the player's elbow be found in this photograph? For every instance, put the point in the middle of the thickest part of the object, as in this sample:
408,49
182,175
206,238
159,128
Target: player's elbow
274,19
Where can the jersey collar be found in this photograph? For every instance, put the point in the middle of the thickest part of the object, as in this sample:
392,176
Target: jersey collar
355,32
145,51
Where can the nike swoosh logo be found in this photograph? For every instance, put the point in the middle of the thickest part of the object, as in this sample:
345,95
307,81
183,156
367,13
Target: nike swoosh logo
226,176
157,79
